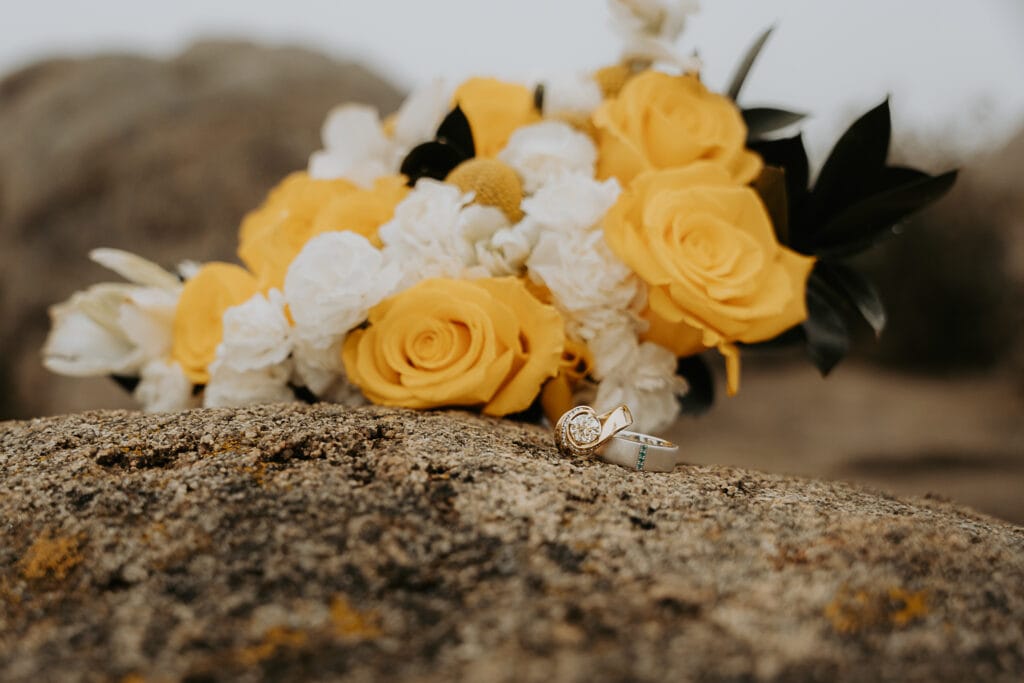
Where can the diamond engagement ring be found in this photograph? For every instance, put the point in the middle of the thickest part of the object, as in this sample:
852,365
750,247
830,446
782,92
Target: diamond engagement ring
581,431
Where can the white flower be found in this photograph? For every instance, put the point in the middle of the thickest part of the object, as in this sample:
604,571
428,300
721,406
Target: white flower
333,283
648,28
135,269
543,151
323,373
435,232
571,202
85,339
229,388
256,333
506,251
355,147
419,117
591,287
163,388
114,328
571,95
644,379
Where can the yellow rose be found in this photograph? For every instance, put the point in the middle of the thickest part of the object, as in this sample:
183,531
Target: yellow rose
300,208
706,248
481,343
495,109
660,121
198,318
557,396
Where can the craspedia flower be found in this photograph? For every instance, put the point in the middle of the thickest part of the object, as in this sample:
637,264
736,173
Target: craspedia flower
494,183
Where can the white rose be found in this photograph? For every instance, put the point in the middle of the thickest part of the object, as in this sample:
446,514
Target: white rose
419,117
644,379
591,287
506,251
355,147
543,151
256,333
435,232
229,388
571,95
571,202
333,283
163,388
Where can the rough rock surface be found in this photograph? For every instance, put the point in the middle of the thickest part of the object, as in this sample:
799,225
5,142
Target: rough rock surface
159,157
322,543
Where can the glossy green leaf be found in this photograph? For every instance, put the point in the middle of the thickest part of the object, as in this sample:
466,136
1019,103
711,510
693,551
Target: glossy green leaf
859,226
762,121
740,75
771,186
856,290
853,165
828,338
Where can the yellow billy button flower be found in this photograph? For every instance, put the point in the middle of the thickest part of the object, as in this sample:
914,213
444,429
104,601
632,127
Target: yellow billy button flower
300,208
198,325
495,109
494,184
707,250
445,342
660,121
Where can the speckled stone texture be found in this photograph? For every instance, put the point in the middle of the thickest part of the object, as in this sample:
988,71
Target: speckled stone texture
324,543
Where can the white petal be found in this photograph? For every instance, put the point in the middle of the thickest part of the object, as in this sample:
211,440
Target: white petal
164,388
79,346
420,115
333,283
230,388
256,334
135,268
544,151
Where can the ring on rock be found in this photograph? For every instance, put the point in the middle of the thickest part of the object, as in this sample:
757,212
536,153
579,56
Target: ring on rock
581,431
641,452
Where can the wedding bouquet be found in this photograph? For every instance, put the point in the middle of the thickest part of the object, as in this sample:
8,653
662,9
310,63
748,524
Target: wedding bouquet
519,248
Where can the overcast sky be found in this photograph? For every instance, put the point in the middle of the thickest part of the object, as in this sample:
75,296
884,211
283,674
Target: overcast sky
953,67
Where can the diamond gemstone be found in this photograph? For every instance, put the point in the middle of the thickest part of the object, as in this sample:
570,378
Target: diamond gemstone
584,428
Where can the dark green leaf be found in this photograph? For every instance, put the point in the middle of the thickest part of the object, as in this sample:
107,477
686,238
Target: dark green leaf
870,220
856,290
853,165
790,155
430,160
125,382
701,393
740,76
538,97
764,120
828,339
771,185
456,132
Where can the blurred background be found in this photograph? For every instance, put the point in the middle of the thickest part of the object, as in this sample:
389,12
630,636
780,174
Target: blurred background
154,127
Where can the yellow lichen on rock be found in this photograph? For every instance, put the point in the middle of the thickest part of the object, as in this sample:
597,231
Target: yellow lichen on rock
494,183
855,611
351,624
51,556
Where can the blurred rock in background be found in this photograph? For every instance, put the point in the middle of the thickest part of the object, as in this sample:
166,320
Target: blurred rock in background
161,158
